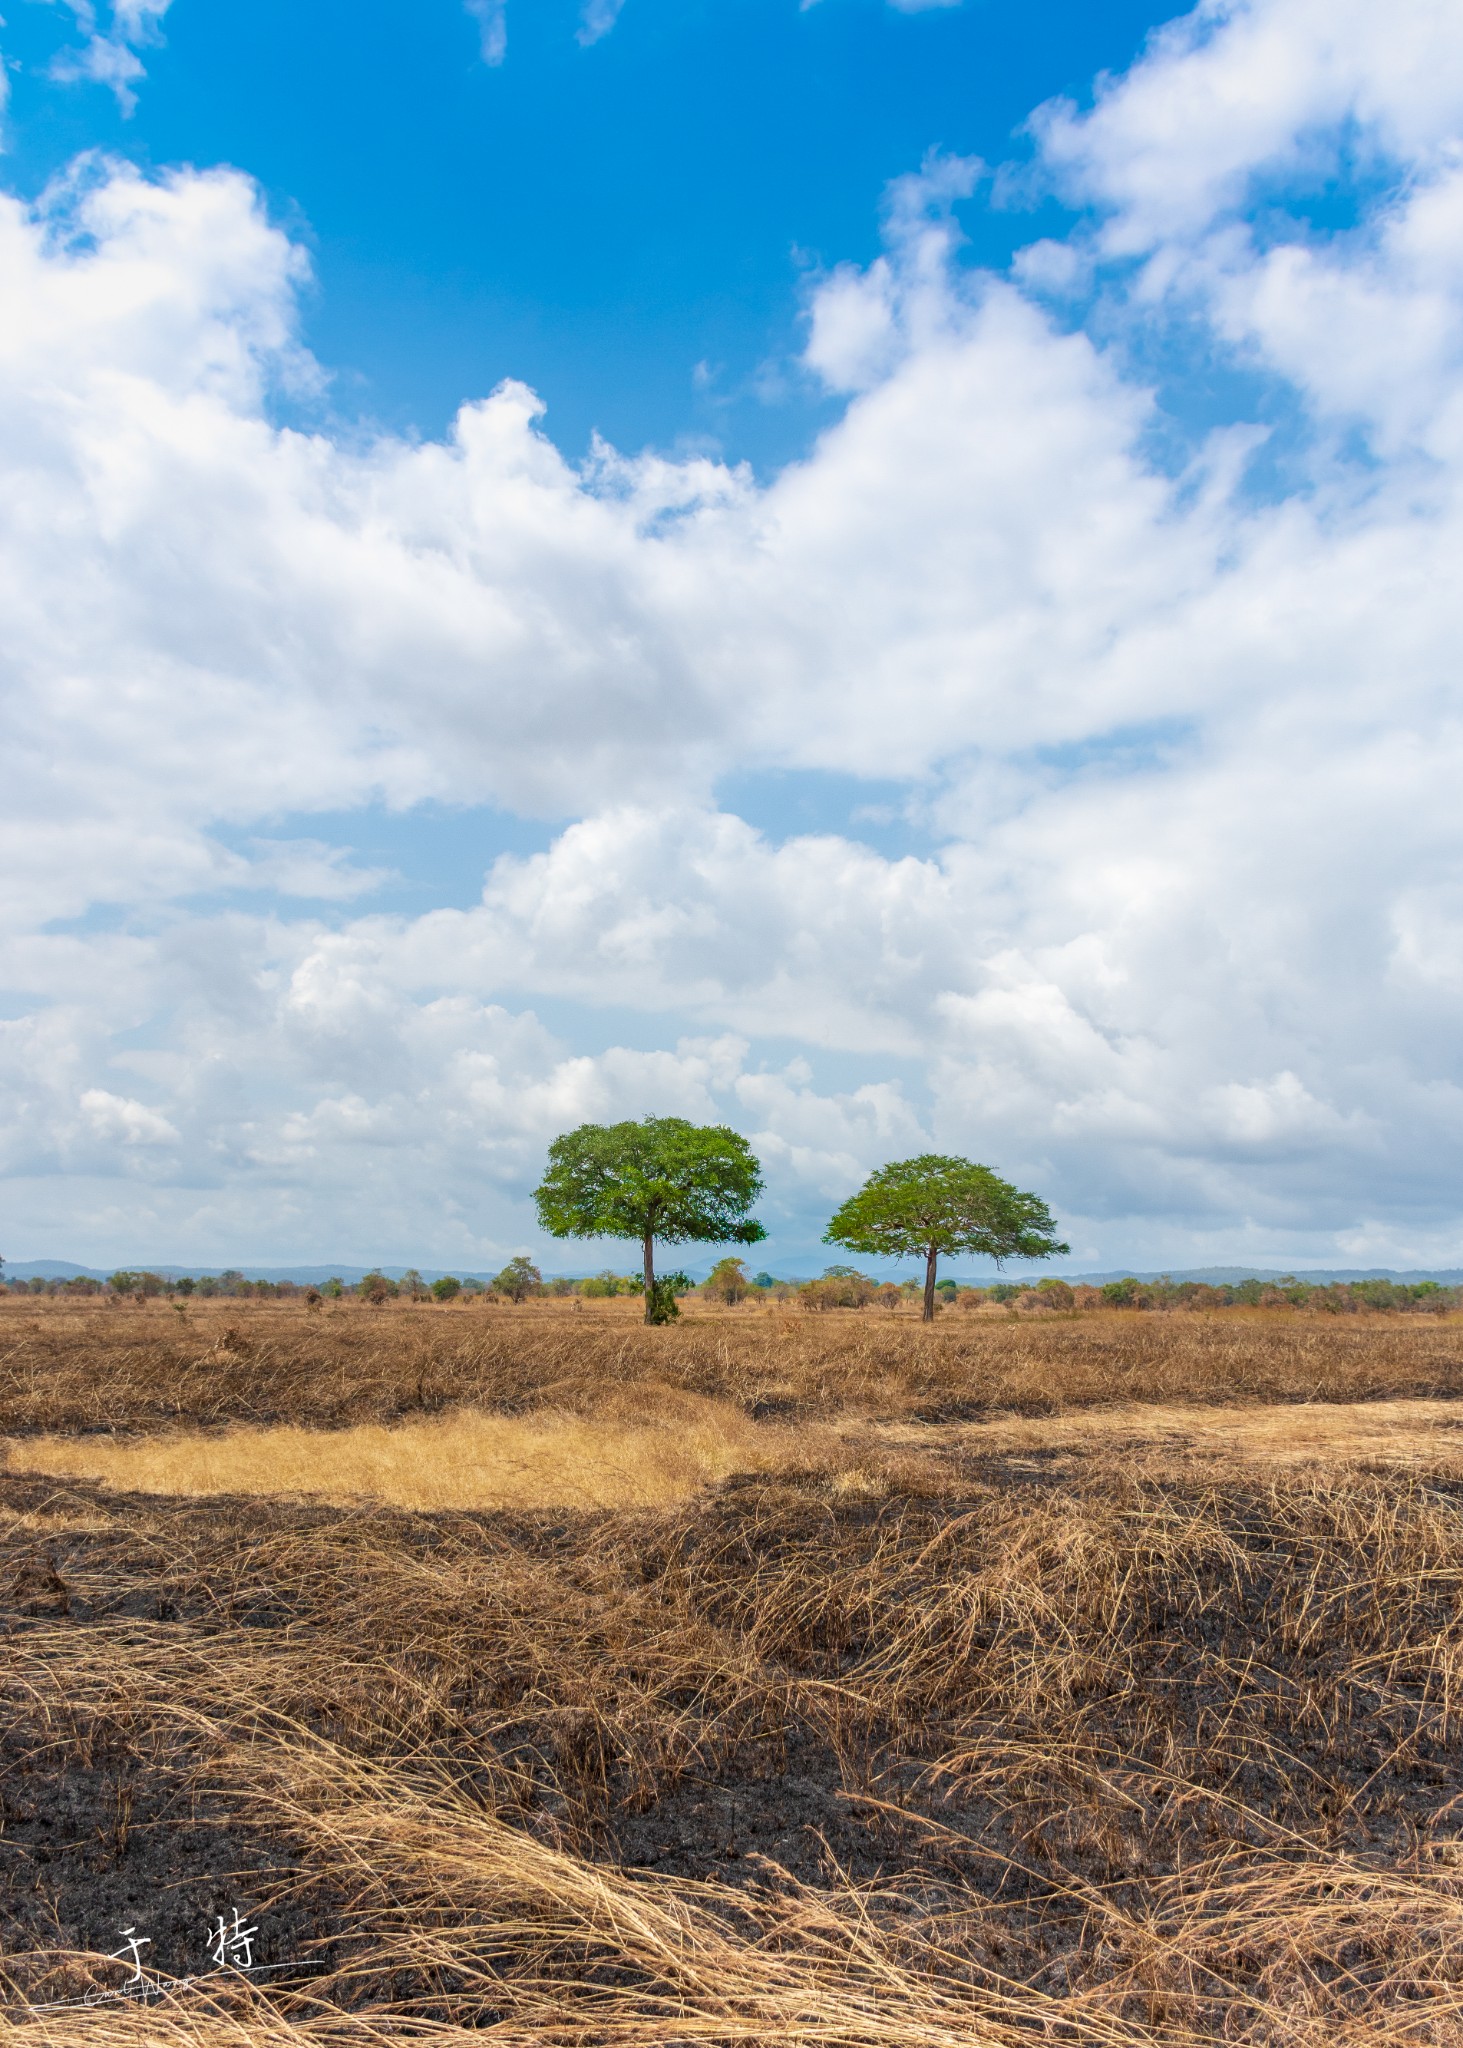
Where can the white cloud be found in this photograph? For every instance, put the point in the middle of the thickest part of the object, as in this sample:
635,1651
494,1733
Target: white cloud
121,1120
598,18
1182,951
491,17
111,58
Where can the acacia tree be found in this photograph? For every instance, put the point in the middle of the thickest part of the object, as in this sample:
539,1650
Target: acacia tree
937,1204
660,1178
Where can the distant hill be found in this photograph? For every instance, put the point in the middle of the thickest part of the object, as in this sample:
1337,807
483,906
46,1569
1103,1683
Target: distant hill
312,1276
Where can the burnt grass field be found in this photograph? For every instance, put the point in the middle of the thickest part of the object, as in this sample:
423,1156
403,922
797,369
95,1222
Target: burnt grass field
925,1743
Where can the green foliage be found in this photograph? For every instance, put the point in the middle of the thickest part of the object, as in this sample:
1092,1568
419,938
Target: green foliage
377,1290
519,1279
660,1178
446,1288
1003,1290
662,1305
763,1281
936,1203
604,1286
413,1286
1122,1293
333,1290
681,1182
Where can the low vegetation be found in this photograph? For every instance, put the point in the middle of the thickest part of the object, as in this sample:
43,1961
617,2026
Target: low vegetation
1049,1678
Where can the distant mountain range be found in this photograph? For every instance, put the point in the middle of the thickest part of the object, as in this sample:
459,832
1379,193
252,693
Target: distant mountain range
308,1276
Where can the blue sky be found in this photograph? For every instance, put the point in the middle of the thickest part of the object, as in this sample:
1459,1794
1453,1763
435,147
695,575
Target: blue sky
598,219
883,574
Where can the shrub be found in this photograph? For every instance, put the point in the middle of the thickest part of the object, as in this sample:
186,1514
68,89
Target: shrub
446,1289
519,1279
1123,1294
840,1287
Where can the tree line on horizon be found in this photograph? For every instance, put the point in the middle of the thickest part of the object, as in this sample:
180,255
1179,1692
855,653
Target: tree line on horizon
730,1284
668,1180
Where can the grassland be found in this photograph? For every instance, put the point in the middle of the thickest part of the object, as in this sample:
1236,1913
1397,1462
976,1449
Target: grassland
768,1678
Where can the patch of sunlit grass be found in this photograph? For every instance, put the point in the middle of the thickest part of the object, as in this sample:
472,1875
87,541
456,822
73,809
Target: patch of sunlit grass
463,1459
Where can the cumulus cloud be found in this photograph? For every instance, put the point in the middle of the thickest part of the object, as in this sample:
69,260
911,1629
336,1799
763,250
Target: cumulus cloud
1182,947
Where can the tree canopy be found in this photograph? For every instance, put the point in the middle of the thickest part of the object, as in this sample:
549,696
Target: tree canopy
661,1177
936,1204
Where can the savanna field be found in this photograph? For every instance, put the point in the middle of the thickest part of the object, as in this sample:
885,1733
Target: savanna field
532,1675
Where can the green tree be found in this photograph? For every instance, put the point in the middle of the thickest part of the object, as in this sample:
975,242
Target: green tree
660,1178
446,1288
519,1278
727,1281
413,1286
937,1204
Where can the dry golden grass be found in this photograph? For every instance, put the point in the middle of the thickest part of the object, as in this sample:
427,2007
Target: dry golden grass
1079,1683
1196,1439
681,1444
465,1458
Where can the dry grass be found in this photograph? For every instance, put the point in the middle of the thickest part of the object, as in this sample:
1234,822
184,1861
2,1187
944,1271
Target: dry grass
1137,1724
465,1458
679,1445
73,1367
1198,1439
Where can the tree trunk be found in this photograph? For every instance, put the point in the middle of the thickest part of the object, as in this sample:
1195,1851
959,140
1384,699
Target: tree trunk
649,1275
931,1259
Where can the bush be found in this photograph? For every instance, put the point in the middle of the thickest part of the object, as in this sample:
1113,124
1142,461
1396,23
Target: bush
599,1287
378,1290
1056,1293
519,1279
727,1282
1123,1294
446,1289
840,1287
663,1306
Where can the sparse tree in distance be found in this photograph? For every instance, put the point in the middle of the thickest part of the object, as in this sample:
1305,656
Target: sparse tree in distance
519,1278
936,1204
728,1282
660,1178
